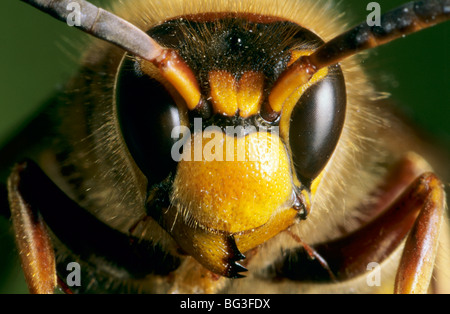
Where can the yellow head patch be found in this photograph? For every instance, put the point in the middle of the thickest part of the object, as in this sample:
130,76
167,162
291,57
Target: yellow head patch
239,194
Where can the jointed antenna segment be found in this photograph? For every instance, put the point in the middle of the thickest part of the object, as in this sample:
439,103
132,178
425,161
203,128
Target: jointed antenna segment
107,26
404,20
104,25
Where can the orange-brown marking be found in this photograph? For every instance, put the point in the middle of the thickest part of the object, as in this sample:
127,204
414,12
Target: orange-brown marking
35,248
417,262
173,68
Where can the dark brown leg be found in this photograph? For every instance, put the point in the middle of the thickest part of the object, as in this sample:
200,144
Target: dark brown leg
35,198
399,177
417,262
35,249
416,215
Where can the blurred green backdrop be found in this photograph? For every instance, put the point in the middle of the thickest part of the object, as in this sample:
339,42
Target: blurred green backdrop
38,53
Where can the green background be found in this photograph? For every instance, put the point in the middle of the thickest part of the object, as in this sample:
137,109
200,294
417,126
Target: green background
37,54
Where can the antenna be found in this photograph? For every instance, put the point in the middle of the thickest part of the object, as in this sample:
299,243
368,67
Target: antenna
406,19
113,29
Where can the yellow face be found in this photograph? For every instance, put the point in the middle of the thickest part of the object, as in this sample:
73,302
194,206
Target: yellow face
246,193
235,194
238,180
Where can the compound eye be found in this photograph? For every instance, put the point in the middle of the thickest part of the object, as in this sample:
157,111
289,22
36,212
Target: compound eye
316,124
147,115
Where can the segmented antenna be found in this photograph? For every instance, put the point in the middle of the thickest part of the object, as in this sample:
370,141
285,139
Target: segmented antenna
107,26
104,25
406,19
